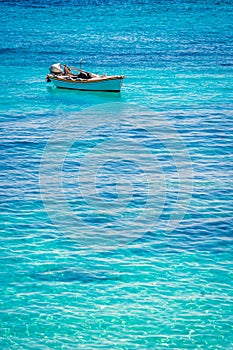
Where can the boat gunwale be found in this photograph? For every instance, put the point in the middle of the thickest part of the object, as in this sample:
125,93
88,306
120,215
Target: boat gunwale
92,80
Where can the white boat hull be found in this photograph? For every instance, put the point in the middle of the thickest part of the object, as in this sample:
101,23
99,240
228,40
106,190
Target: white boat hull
112,84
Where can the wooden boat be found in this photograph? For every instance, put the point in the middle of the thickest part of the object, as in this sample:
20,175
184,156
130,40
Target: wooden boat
85,81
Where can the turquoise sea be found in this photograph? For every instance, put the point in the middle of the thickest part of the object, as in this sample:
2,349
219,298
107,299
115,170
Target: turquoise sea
116,209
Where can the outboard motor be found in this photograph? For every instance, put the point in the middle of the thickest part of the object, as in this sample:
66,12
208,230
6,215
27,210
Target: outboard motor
56,68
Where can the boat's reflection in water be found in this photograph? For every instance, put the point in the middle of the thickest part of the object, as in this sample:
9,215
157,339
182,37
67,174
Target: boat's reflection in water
68,96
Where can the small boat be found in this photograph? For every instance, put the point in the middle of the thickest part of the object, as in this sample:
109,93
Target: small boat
86,81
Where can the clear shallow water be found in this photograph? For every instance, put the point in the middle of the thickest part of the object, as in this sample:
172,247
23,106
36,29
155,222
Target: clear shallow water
167,289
